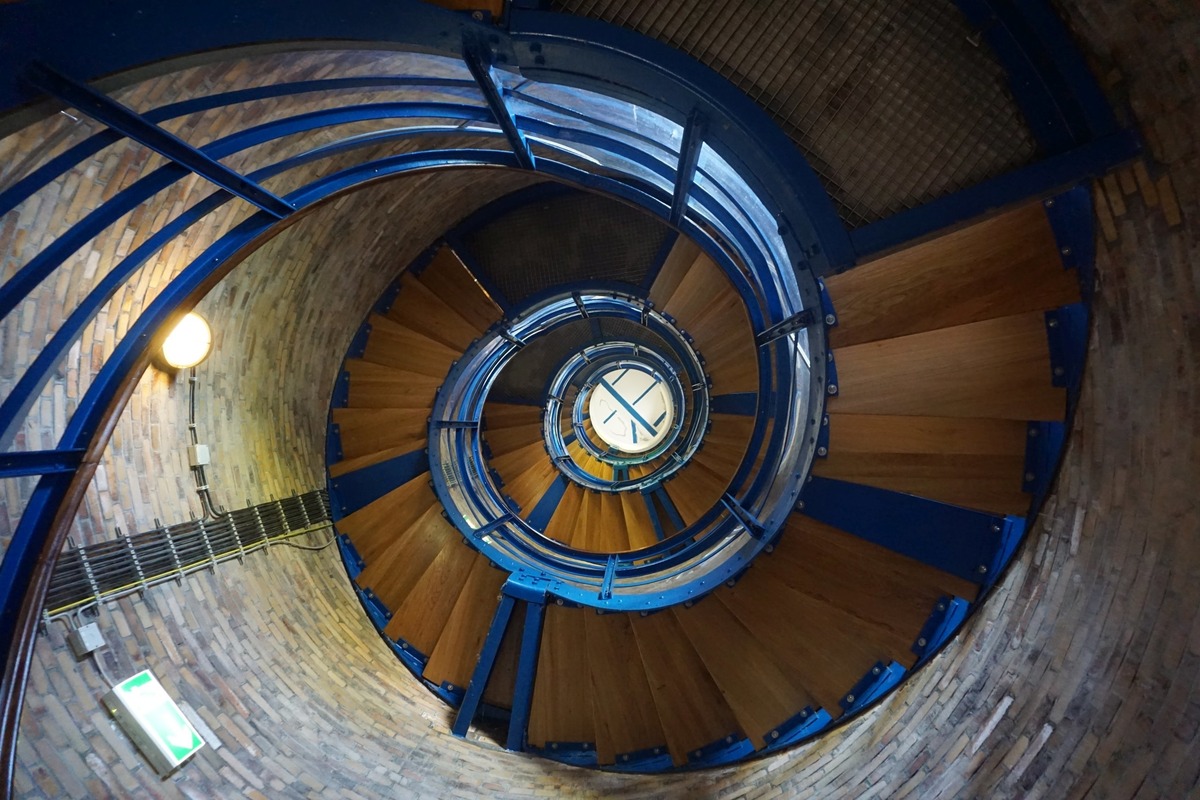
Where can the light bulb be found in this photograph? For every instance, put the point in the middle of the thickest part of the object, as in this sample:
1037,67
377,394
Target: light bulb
188,343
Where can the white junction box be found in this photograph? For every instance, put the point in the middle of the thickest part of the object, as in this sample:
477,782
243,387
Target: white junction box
85,639
151,719
198,455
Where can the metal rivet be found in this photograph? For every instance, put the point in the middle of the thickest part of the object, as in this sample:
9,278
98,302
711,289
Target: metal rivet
1029,476
728,740
554,745
1050,203
624,758
774,734
832,388
822,451
558,602
849,698
656,751
830,319
921,642
1066,251
875,671
982,569
941,606
1033,432
1059,371
1052,323
804,713
404,645
996,528
799,505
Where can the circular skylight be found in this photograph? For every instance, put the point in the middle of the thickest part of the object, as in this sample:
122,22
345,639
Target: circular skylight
631,409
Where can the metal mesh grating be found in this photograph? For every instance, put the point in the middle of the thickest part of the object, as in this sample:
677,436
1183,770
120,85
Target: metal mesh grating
569,239
890,101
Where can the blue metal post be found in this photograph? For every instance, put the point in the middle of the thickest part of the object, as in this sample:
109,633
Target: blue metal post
689,157
483,667
531,640
478,60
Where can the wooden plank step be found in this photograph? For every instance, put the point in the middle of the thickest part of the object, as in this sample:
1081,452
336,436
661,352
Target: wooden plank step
820,646
562,525
677,264
418,308
368,430
1002,266
893,589
529,486
731,373
562,701
349,465
702,290
622,705
760,693
446,276
691,709
611,535
998,369
394,572
506,440
394,345
375,526
508,415
514,462
694,490
586,533
977,463
637,520
379,386
423,615
453,658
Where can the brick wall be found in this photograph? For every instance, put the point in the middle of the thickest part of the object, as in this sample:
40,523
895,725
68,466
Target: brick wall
1079,678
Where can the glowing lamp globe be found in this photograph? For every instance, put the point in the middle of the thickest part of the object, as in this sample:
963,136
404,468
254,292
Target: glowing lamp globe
188,344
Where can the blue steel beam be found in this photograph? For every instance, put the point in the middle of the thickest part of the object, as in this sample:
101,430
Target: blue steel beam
478,60
963,542
121,118
483,667
689,157
531,640
39,462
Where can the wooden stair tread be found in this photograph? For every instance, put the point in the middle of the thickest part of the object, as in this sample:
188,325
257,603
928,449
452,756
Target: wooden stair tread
506,440
638,525
373,527
394,572
348,465
418,308
691,708
679,261
760,693
395,345
562,525
422,617
622,705
514,462
1005,265
824,655
997,368
446,276
379,386
878,571
611,535
507,415
464,628
368,430
694,490
986,483
529,486
562,702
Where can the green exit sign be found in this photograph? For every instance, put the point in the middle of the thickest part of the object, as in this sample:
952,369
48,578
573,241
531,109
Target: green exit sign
152,720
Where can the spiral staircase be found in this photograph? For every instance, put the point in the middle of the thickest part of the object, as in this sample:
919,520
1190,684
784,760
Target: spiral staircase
839,463
944,372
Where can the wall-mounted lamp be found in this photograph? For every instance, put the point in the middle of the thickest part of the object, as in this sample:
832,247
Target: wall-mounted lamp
188,344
